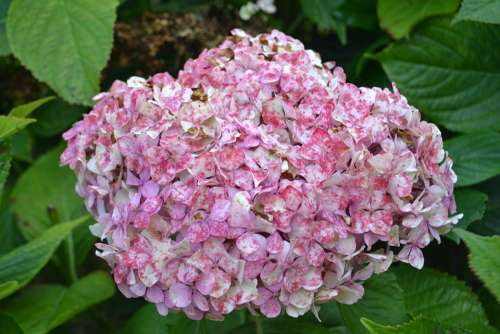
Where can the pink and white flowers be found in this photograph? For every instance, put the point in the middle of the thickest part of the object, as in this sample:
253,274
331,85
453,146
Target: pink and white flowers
259,178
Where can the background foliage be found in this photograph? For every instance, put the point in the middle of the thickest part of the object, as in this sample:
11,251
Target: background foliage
56,54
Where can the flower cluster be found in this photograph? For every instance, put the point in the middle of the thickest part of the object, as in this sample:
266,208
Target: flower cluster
259,178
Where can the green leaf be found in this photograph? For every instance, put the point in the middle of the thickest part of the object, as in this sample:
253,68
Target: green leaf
10,237
487,11
329,313
36,194
25,110
24,262
4,43
5,160
484,258
146,320
55,117
490,224
287,325
415,326
40,308
16,120
322,14
444,71
45,186
491,306
472,204
22,146
383,302
442,298
357,13
8,288
10,125
398,17
231,321
8,325
476,156
65,43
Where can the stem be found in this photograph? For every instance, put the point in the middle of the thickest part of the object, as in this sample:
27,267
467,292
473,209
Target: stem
70,251
258,324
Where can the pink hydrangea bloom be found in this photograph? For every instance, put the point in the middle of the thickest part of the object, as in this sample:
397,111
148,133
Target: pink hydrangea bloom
259,178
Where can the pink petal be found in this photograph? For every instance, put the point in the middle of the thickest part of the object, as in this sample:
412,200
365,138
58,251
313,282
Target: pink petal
271,308
206,283
274,243
200,301
150,189
180,295
154,295
249,243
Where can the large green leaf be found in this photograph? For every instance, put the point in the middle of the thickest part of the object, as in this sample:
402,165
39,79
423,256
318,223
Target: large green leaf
398,17
146,320
10,237
487,11
22,146
4,43
476,156
491,306
446,72
484,258
39,308
415,326
24,262
440,297
231,322
5,159
64,43
472,204
42,187
8,325
281,325
383,302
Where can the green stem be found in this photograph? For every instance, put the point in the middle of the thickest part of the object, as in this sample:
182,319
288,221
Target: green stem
258,324
70,252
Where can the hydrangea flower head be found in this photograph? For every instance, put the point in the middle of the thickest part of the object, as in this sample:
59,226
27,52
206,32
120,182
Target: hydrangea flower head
259,178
